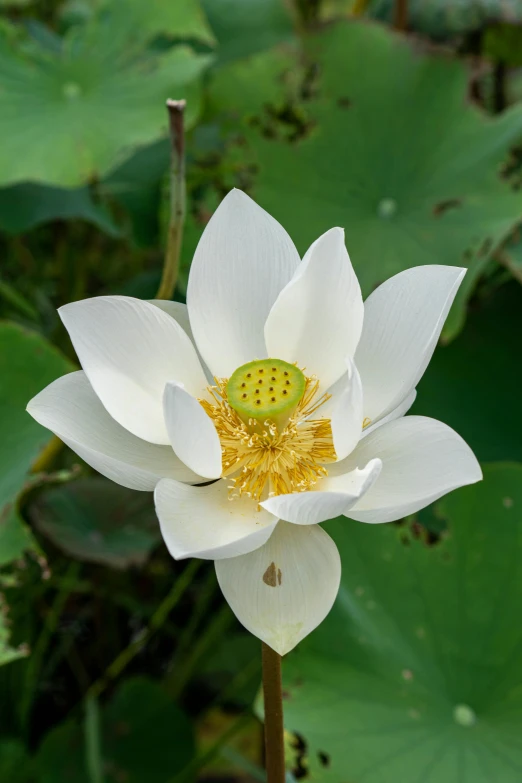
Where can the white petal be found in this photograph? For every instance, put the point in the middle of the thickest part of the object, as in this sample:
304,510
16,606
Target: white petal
317,319
403,319
203,521
345,411
396,413
179,312
70,408
192,432
335,495
422,458
176,310
282,591
242,262
129,349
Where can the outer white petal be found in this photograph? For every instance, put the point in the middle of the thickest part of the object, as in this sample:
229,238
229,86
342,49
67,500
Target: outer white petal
317,319
345,411
203,521
396,413
192,432
335,496
242,262
129,349
403,319
283,590
176,310
422,458
179,312
70,408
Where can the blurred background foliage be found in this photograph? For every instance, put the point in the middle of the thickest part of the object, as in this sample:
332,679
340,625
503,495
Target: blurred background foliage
119,665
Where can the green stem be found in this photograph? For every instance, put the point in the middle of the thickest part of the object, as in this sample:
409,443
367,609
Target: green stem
244,764
241,679
188,633
51,623
274,729
189,773
156,621
47,456
213,632
359,7
93,755
177,200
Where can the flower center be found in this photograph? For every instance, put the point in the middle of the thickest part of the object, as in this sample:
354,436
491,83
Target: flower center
270,441
266,388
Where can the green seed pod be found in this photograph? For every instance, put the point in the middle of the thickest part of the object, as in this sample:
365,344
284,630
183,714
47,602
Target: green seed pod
266,389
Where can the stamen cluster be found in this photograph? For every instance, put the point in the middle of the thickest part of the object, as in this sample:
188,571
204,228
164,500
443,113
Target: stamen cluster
262,460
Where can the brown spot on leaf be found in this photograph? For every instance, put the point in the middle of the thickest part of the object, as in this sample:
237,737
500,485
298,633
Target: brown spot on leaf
272,576
443,206
324,758
344,103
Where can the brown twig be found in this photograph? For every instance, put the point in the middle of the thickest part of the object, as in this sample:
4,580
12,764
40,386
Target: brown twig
177,200
400,15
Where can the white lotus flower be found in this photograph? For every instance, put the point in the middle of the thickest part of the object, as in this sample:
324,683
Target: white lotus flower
303,422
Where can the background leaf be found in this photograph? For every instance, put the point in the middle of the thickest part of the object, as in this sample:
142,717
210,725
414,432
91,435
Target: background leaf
144,737
27,364
181,19
102,93
95,520
482,403
24,206
416,673
447,18
243,29
15,764
374,160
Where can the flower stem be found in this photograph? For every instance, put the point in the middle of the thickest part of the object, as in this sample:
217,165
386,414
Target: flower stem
177,200
359,7
400,15
93,754
274,731
36,659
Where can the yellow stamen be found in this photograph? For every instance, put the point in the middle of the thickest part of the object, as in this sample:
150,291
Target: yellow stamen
261,460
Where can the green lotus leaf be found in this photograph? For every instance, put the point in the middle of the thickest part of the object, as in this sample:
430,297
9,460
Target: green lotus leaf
27,364
15,764
446,18
244,28
98,521
179,19
69,115
144,737
240,88
24,206
416,674
394,152
474,383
